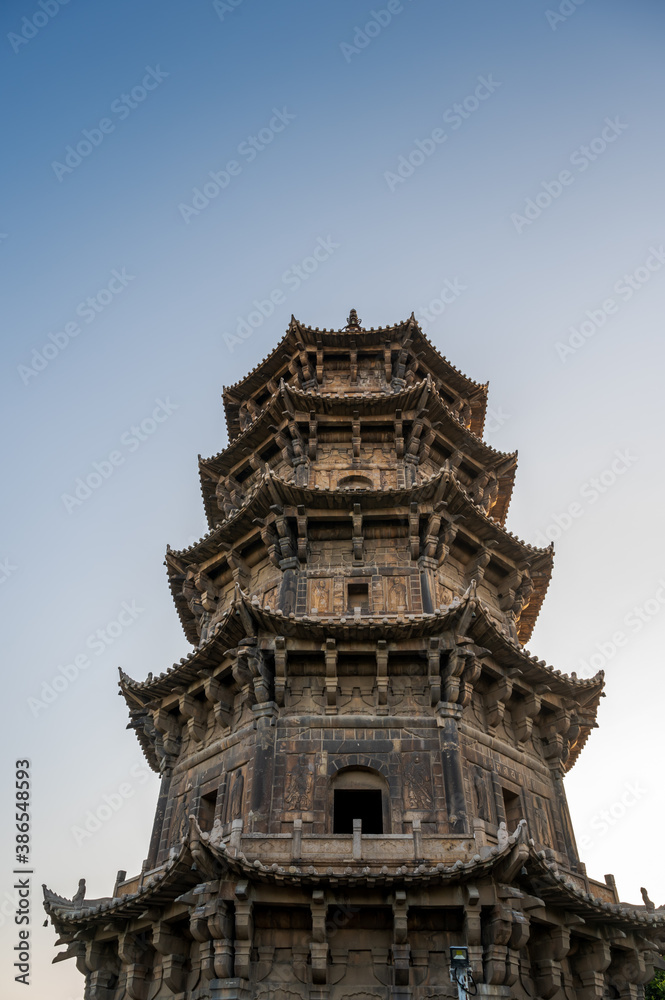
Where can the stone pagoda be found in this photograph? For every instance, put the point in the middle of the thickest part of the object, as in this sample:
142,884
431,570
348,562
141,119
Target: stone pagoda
361,764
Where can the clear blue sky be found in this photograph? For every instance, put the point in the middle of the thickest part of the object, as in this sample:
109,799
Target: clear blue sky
539,198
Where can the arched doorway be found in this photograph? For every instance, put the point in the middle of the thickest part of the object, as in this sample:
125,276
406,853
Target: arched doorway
359,793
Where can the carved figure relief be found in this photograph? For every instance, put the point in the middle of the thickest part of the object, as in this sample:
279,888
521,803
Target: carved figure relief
319,596
299,783
270,598
234,795
396,599
483,806
541,821
417,781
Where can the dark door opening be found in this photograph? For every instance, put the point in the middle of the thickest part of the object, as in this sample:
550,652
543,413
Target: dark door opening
207,811
358,596
512,807
358,803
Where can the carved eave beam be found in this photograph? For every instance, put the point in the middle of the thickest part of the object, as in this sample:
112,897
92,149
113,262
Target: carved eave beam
414,531
399,434
434,671
309,379
382,676
294,369
244,930
318,947
298,445
447,536
280,653
330,655
218,696
357,539
270,539
429,541
319,361
356,441
174,950
387,362
461,672
495,700
286,541
398,373
312,443
412,451
523,715
195,712
283,442
554,730
238,567
301,525
476,568
401,950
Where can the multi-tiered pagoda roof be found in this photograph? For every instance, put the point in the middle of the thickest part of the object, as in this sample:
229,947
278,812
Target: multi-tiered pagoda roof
361,763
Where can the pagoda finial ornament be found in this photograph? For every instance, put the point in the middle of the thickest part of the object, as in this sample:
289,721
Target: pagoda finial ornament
352,322
361,766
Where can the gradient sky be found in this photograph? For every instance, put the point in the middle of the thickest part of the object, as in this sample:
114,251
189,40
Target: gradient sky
352,109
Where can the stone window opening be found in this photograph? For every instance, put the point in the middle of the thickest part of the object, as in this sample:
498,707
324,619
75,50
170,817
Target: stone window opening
512,807
362,804
207,807
359,793
358,598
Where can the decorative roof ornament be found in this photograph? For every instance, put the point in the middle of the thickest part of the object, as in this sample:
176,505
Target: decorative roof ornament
352,323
